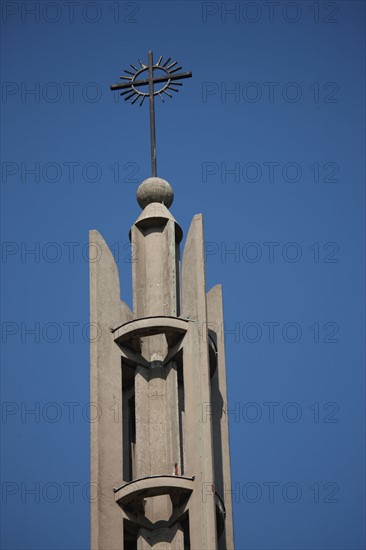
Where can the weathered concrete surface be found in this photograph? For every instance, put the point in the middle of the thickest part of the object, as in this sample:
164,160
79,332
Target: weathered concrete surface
156,293
155,271
157,427
198,435
219,417
167,384
106,309
163,538
154,190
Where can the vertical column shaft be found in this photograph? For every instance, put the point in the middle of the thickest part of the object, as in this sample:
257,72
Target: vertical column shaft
154,270
156,293
157,423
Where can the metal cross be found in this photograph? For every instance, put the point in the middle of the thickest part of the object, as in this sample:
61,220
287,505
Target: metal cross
168,77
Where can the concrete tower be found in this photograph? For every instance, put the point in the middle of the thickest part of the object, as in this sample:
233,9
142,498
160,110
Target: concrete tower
160,449
159,446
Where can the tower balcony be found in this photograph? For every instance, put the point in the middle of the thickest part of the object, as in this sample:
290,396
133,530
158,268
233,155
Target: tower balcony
129,334
131,495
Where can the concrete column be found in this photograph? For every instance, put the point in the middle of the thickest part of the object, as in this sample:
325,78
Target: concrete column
157,446
170,538
198,435
157,420
219,416
106,310
155,238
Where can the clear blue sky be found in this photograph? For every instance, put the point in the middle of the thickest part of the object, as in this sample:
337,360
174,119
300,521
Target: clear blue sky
267,141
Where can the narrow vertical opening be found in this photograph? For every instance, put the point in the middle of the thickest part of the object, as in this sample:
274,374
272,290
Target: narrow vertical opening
129,421
132,433
130,534
185,528
217,411
181,408
177,277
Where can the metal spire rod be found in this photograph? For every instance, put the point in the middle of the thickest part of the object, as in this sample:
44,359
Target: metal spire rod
133,88
152,115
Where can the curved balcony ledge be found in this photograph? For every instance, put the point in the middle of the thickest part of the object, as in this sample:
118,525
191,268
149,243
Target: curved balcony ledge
174,328
151,486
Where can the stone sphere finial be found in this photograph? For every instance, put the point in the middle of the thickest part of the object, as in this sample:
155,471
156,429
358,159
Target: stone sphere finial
154,189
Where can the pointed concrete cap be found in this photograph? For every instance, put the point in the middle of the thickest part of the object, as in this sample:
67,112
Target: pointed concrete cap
156,214
154,190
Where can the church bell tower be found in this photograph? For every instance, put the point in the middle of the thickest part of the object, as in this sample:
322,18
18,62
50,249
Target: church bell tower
160,448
